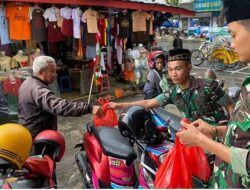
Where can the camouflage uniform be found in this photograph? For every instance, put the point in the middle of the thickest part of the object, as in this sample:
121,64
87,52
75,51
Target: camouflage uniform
236,174
198,101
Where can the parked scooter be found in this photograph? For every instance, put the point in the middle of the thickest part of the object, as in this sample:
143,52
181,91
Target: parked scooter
110,161
38,170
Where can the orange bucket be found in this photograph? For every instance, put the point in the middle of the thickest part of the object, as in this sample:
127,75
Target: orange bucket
119,92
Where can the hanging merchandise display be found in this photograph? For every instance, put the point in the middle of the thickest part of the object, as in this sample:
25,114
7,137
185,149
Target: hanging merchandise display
4,28
139,26
67,24
76,16
54,31
18,15
38,28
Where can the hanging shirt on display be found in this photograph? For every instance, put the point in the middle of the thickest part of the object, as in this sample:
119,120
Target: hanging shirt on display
38,28
102,30
124,25
76,16
139,21
18,16
67,25
91,17
4,28
54,31
51,14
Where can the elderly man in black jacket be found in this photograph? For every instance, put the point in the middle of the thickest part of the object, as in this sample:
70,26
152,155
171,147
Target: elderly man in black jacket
38,105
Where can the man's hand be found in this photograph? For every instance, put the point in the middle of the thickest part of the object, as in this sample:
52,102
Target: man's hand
205,128
190,135
113,105
98,111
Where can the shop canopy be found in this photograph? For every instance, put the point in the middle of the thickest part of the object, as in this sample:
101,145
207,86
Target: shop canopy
118,4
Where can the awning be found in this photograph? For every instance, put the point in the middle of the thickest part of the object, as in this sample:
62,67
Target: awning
118,4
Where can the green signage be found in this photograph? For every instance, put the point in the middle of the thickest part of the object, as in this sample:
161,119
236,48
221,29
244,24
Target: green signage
207,5
172,2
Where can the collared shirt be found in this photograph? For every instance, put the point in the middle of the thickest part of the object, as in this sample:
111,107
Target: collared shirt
196,102
38,106
236,174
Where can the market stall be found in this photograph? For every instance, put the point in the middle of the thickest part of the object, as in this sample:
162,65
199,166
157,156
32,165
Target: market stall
85,36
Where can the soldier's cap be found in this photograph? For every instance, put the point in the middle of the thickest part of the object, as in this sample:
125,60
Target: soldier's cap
236,10
179,54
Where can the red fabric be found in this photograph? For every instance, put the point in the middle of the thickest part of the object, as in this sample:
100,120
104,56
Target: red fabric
110,118
24,64
174,171
12,87
102,30
67,27
54,33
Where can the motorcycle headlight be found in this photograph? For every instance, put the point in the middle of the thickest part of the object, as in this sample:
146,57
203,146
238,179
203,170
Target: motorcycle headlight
148,179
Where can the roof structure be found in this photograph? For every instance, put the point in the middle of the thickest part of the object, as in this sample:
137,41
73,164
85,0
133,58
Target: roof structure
136,5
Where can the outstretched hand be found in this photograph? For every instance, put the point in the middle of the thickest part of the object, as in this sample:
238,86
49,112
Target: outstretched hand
113,105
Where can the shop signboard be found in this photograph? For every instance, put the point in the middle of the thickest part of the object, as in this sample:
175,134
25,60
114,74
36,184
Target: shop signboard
207,5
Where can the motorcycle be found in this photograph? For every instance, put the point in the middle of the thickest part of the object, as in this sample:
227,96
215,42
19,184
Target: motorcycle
110,159
38,170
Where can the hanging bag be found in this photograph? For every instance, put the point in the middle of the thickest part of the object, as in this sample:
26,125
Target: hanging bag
174,171
110,118
181,164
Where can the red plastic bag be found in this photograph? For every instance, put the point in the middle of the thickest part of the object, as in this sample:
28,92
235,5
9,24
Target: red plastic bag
197,161
110,118
174,172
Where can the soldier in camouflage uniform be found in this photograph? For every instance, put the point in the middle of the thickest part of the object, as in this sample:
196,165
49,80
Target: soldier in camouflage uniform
232,163
195,98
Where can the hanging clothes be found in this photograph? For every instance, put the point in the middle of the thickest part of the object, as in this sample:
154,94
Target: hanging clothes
19,24
54,31
91,17
38,27
4,28
76,16
67,25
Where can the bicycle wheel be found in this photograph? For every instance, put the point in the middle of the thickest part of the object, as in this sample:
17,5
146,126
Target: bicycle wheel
197,57
219,65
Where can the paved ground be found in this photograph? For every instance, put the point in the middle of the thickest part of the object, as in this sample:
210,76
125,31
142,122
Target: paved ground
73,128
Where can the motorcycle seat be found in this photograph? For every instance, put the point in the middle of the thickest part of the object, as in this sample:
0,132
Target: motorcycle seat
114,144
171,119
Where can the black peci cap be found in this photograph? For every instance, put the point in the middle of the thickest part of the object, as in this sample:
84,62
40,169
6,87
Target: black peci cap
236,10
179,54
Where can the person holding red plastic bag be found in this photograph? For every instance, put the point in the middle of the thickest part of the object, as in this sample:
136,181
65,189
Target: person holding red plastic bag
109,118
232,163
180,165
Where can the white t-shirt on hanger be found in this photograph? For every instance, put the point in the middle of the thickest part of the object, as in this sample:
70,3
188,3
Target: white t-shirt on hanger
51,13
66,12
76,16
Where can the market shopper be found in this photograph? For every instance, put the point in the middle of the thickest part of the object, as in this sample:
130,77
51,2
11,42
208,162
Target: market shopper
195,98
232,163
156,62
178,42
38,105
